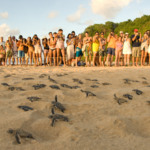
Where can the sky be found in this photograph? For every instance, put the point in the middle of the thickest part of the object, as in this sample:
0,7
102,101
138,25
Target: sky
29,17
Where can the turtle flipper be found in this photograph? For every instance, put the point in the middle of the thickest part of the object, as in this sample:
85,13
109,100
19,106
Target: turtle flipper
53,111
56,98
18,138
53,121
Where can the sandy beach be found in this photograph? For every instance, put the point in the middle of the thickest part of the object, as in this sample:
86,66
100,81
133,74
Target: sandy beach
95,122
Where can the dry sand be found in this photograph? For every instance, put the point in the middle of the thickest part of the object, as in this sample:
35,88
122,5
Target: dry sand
95,123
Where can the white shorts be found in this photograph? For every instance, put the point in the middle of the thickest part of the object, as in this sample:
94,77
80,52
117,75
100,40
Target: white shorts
38,51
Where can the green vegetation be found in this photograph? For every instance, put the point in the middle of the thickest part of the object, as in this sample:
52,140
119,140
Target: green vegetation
142,24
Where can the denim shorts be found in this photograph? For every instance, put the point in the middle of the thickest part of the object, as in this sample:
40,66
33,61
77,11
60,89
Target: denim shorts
21,54
111,51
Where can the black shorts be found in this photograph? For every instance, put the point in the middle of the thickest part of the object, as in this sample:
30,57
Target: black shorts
111,51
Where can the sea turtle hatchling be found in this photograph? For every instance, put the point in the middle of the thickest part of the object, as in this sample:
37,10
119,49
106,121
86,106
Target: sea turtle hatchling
51,80
19,134
66,86
56,117
58,105
130,97
138,92
120,100
39,86
54,87
25,108
33,98
5,84
78,81
88,93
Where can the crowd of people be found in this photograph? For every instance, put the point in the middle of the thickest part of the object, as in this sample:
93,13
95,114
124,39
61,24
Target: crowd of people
95,51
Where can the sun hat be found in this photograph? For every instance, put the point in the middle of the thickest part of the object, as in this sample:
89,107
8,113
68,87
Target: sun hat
121,32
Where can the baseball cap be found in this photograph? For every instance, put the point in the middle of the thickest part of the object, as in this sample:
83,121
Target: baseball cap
126,33
135,30
121,32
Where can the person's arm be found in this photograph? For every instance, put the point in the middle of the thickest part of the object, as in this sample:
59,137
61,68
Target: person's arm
133,38
140,37
108,38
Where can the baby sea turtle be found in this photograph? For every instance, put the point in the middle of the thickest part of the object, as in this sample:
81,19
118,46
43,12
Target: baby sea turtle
144,78
145,82
19,133
148,102
52,80
42,75
75,87
54,87
138,92
120,100
94,86
127,81
88,93
33,99
106,83
28,79
39,86
66,86
130,97
78,81
56,117
5,84
25,108
19,89
7,76
94,80
58,105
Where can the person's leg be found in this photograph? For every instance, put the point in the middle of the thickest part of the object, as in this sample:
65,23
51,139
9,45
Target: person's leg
90,59
128,59
50,57
100,60
145,56
94,58
138,55
63,55
37,59
45,56
104,60
9,60
40,56
58,55
54,57
116,59
108,57
142,56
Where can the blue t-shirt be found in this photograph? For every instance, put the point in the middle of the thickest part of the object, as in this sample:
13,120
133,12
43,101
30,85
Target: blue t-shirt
136,42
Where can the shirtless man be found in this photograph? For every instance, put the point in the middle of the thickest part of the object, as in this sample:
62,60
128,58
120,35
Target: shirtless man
52,48
87,47
60,47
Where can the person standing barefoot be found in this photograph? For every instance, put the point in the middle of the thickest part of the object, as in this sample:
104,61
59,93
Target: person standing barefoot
127,49
136,46
119,47
111,48
46,50
30,49
144,49
60,47
70,48
38,52
96,41
102,50
21,54
87,48
78,50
